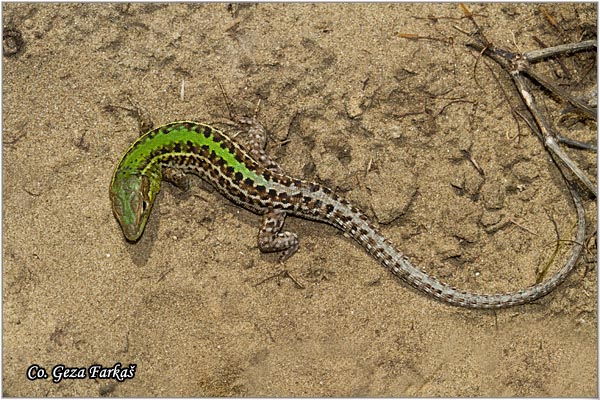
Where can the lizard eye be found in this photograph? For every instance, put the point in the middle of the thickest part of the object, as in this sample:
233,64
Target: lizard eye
144,206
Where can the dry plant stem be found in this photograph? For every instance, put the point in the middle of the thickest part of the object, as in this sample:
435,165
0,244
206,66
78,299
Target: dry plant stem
511,61
516,65
576,143
536,55
548,134
578,104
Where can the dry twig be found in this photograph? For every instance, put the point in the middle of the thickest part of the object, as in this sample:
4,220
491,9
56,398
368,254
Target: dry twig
518,66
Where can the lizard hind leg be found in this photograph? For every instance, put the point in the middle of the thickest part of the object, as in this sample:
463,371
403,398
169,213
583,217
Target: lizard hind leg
271,239
257,142
254,137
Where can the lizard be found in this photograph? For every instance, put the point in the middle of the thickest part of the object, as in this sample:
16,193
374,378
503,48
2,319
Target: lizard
247,176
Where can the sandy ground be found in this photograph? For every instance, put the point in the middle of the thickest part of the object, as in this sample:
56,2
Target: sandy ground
384,120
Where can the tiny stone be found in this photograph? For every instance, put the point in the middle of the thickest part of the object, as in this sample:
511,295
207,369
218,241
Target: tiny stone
353,106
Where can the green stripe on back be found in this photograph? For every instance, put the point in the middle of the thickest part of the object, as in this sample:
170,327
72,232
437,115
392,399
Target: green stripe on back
143,154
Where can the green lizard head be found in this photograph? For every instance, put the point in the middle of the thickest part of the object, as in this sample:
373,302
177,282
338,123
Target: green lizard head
132,196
